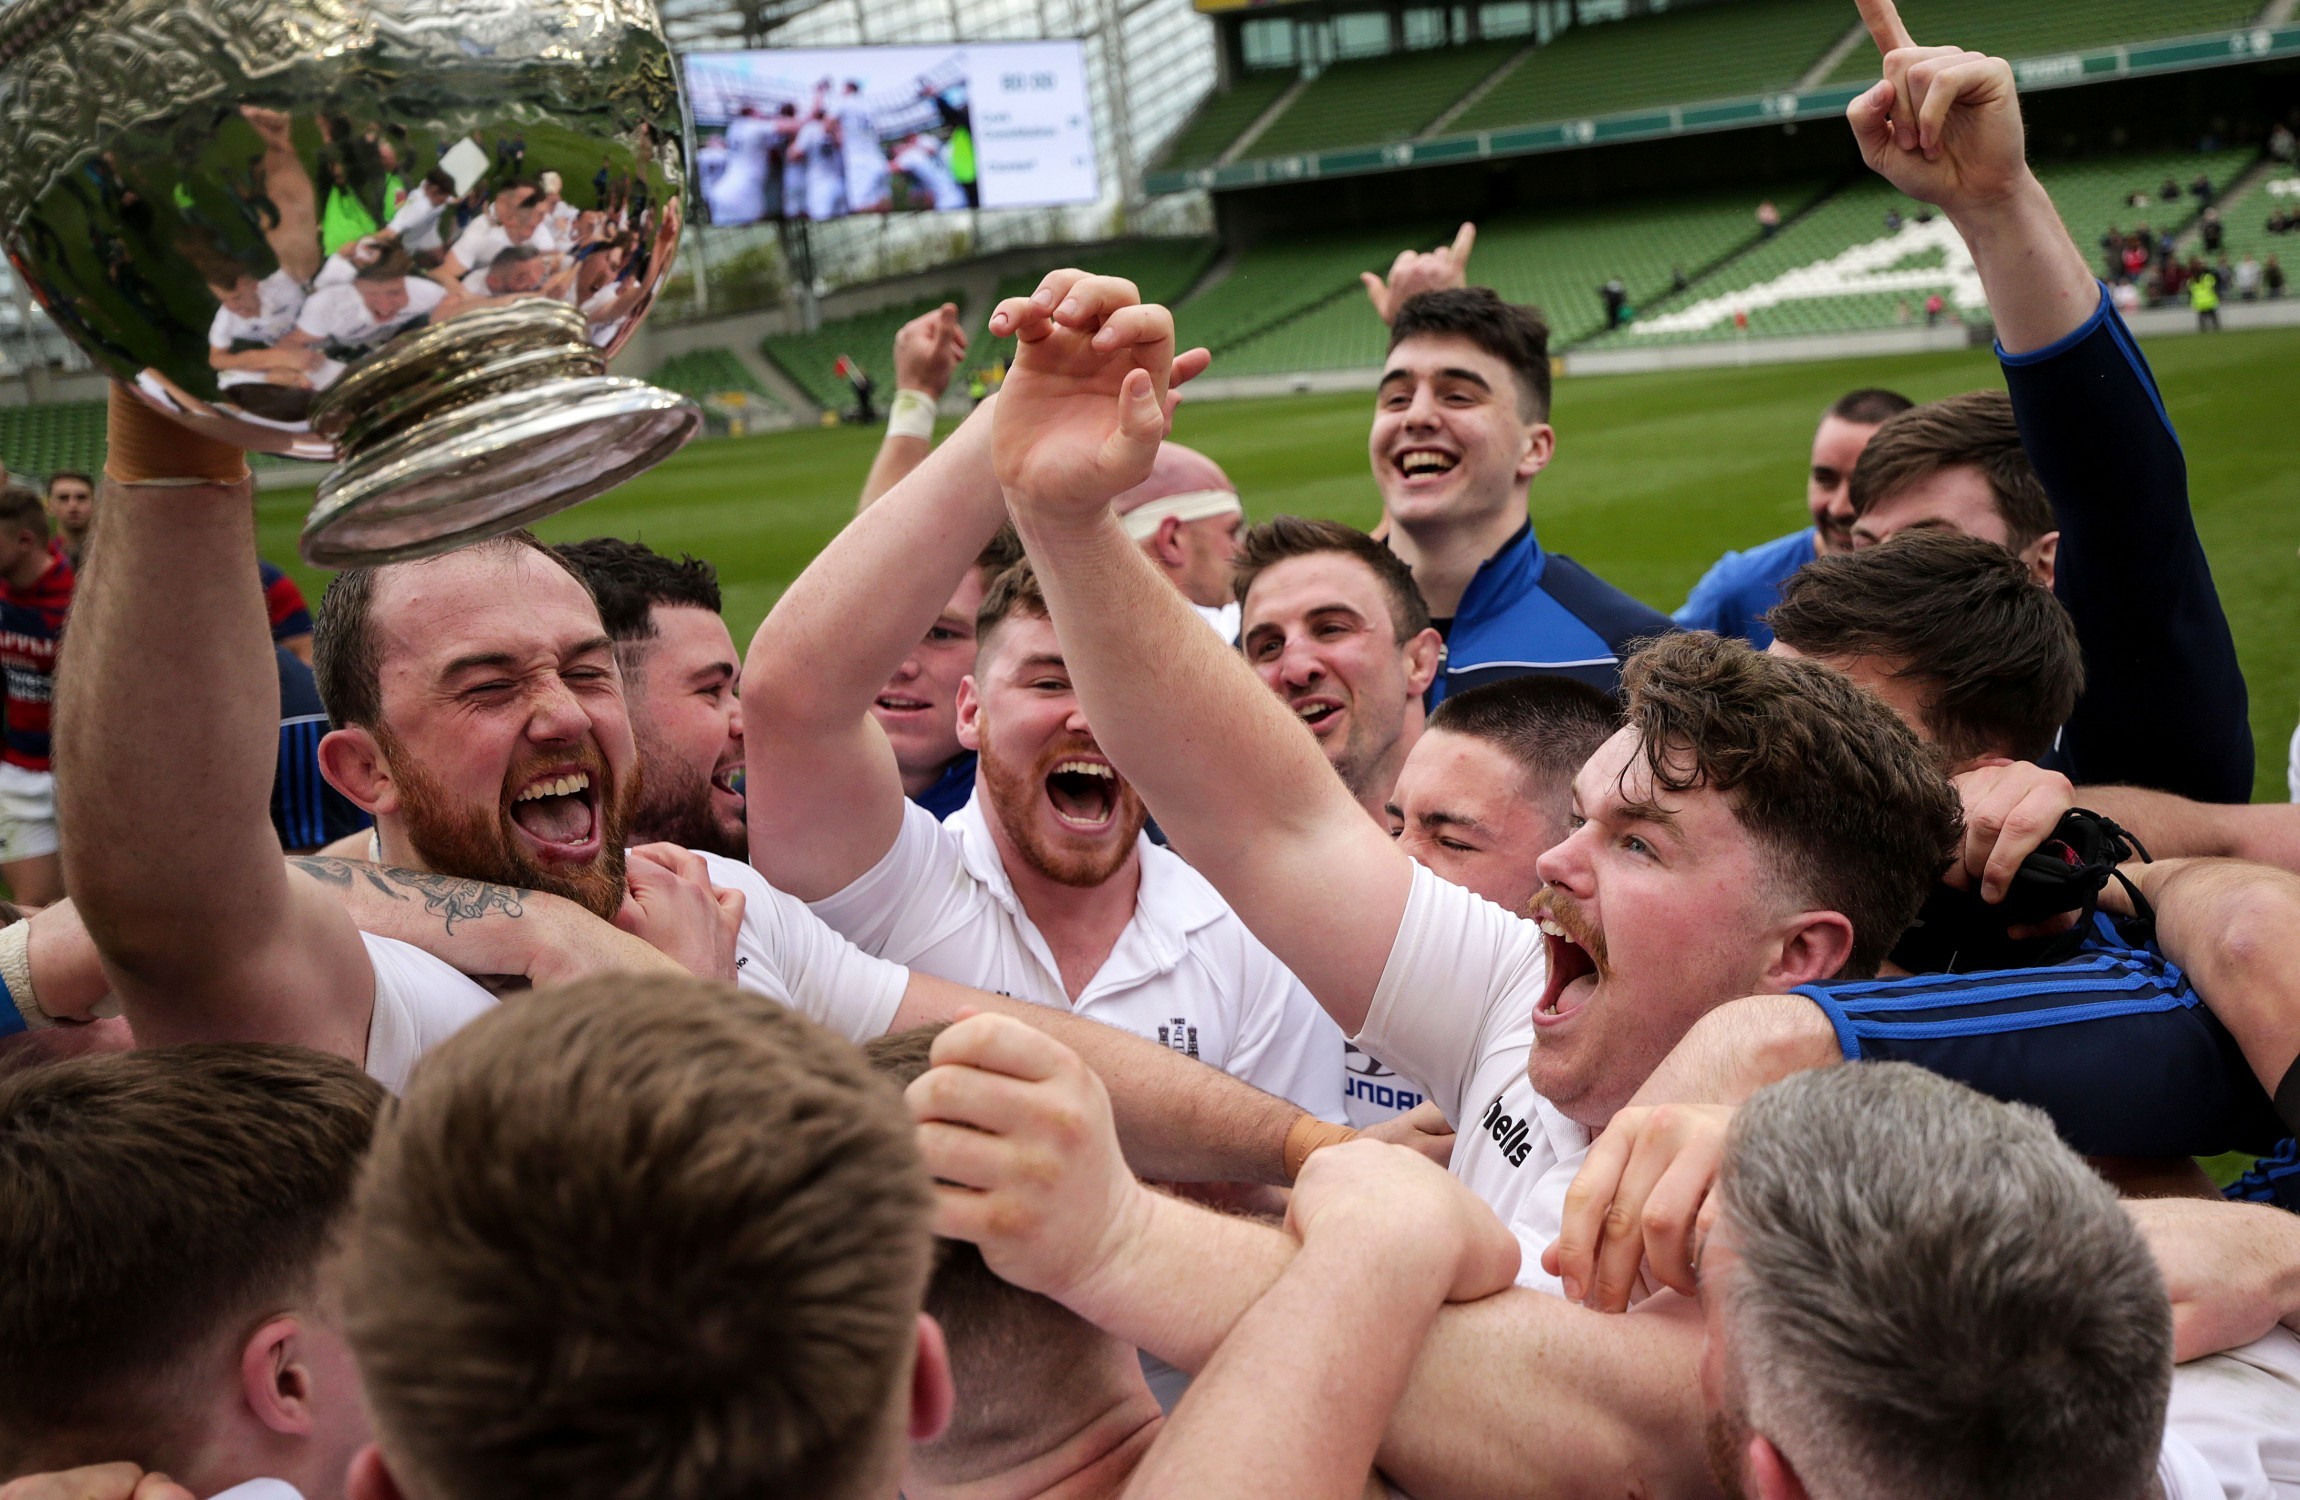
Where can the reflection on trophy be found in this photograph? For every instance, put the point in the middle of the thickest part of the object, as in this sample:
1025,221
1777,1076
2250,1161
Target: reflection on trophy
404,235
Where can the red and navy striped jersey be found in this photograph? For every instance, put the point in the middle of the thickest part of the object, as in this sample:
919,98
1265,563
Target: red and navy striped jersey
283,601
31,628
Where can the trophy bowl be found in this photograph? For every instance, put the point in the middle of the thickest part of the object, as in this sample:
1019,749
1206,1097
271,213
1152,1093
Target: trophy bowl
400,235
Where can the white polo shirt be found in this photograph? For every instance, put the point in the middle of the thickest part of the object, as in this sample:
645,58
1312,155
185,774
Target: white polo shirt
2232,1430
1185,973
1455,1010
281,298
782,951
484,239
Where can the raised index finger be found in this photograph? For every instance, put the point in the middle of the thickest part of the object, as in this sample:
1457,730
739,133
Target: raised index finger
1884,23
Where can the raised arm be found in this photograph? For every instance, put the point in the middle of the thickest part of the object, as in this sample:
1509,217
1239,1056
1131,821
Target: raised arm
1234,780
1944,126
825,795
166,741
927,352
2164,701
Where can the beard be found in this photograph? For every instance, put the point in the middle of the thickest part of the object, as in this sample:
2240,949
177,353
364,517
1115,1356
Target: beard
675,808
1015,795
474,842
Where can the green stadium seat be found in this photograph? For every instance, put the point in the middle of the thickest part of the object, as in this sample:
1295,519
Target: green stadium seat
1163,269
1222,119
704,373
35,441
810,358
1554,260
1679,57
2016,30
1377,100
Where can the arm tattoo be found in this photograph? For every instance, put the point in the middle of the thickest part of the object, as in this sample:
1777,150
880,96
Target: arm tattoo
448,897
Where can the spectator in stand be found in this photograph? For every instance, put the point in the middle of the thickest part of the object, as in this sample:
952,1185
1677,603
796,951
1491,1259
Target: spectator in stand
72,505
858,379
2202,190
1934,307
1615,296
2248,278
1739,587
290,616
1768,220
1893,221
2170,191
2281,144
2212,231
2272,276
35,592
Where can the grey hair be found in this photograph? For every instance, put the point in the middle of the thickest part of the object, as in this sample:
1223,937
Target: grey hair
1938,1300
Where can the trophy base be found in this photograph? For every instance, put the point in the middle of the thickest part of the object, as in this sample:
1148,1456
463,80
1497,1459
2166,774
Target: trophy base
492,465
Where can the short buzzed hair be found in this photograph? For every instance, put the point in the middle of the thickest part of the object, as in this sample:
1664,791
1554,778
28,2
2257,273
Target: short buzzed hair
22,509
641,1238
63,474
151,1203
1870,406
1994,652
1937,1299
630,578
1975,430
1858,813
1006,1344
1282,537
1013,592
1512,332
1548,725
347,656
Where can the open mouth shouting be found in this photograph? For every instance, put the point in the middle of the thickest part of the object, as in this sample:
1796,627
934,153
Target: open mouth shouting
1425,463
727,782
558,814
1084,793
1576,962
900,703
1321,711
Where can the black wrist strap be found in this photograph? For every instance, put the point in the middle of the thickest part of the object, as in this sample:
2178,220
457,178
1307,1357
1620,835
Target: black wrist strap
2288,1097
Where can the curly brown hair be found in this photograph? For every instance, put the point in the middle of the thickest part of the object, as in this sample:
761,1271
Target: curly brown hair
1856,809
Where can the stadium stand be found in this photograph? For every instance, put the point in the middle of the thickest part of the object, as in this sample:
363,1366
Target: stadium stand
1376,100
1836,269
38,440
1279,280
810,358
704,373
1556,261
1222,119
1678,57
1163,269
2034,30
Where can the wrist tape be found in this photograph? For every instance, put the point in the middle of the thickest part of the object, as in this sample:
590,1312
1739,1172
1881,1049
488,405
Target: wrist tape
21,1011
143,447
910,414
1309,1133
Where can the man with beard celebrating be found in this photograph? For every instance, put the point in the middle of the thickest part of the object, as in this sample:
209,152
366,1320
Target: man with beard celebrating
480,718
679,677
1758,824
1043,886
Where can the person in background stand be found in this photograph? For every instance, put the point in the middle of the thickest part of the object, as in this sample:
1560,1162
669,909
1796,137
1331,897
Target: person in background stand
35,593
72,506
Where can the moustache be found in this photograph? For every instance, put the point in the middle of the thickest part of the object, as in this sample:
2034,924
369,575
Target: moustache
1553,904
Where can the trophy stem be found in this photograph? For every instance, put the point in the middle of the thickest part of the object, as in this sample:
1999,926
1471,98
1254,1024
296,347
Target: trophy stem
475,426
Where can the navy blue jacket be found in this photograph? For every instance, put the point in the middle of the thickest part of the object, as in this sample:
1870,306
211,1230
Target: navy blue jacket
2164,702
1528,611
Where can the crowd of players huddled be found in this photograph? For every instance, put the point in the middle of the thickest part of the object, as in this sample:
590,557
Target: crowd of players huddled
1105,999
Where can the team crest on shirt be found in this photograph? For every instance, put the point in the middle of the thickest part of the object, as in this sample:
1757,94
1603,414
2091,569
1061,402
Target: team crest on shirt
1513,1136
1179,1035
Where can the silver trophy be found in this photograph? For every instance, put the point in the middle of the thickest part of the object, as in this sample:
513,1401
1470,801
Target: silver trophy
404,235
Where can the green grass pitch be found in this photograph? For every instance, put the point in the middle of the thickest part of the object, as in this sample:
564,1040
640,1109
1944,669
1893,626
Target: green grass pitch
1655,476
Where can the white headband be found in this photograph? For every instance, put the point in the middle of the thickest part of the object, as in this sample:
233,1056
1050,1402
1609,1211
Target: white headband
1142,521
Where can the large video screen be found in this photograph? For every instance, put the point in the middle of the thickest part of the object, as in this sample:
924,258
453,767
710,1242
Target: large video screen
821,133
